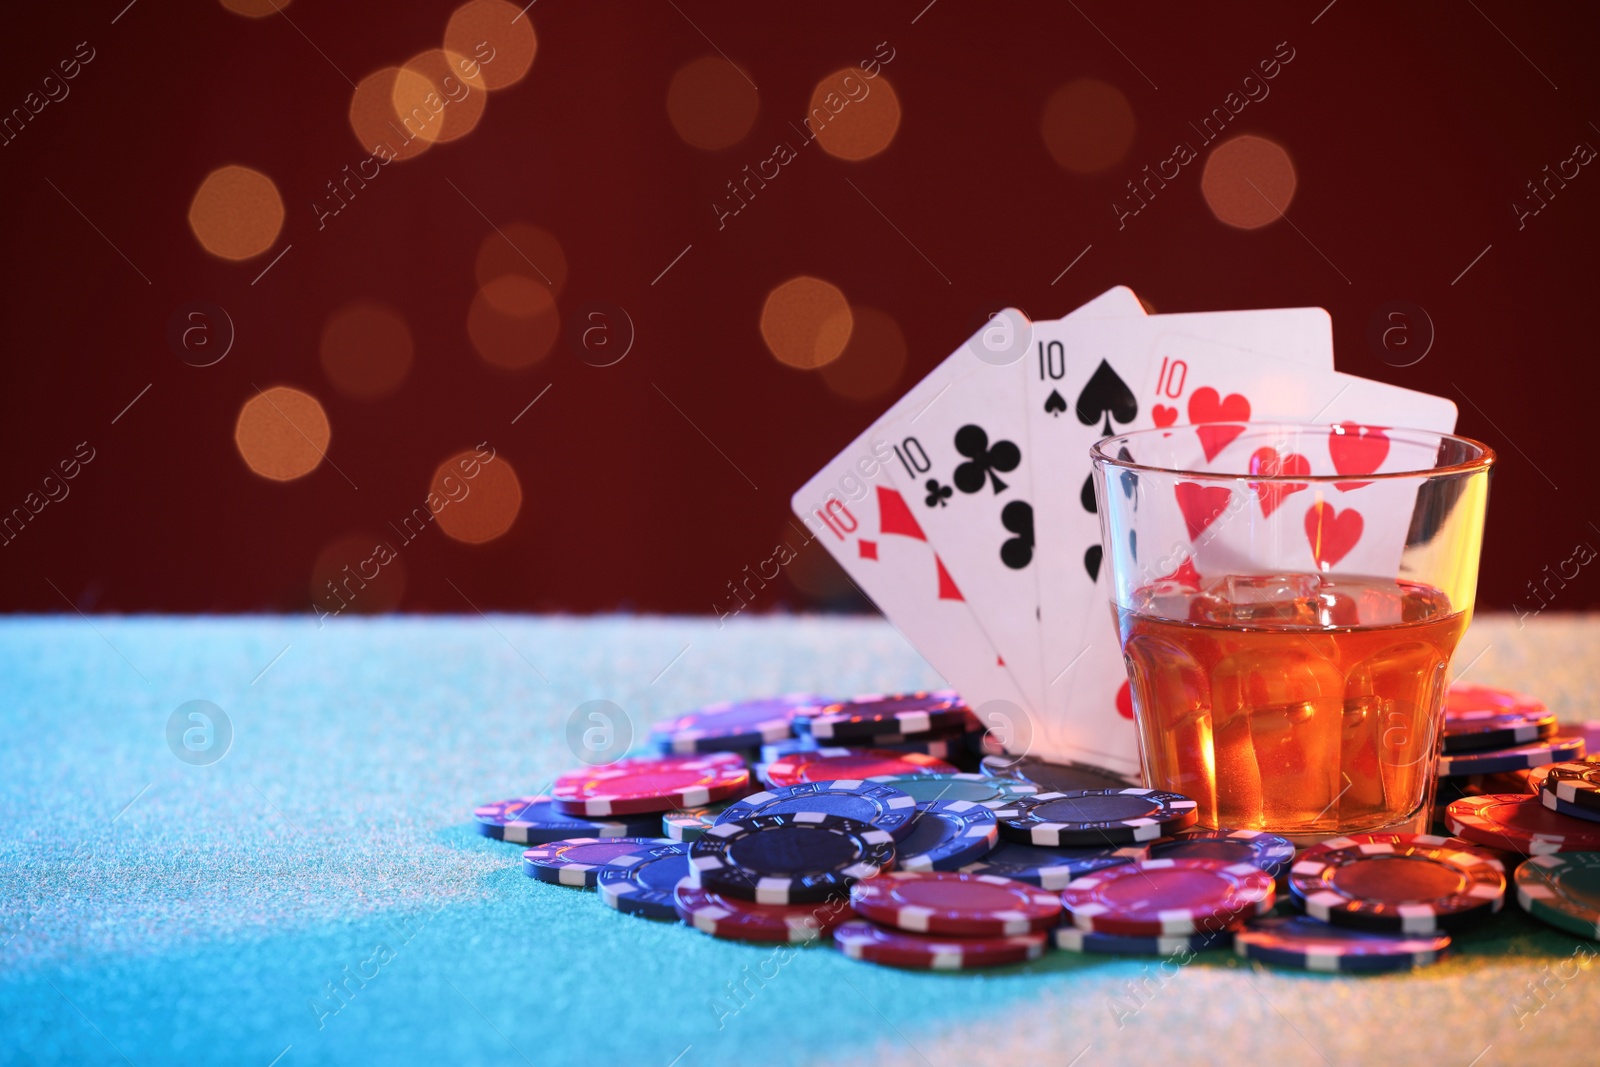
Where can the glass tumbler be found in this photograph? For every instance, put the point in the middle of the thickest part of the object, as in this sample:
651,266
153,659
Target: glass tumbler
1288,597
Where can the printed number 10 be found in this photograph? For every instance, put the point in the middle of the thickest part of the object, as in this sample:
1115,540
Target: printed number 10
1174,372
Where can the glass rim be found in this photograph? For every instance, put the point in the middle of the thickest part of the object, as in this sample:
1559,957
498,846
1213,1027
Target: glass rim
1482,461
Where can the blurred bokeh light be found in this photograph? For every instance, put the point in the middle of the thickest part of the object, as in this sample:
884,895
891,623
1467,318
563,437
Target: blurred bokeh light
1248,182
236,213
255,9
282,433
497,34
523,249
366,349
378,125
872,361
854,117
439,81
513,321
358,573
1088,126
711,104
806,322
482,497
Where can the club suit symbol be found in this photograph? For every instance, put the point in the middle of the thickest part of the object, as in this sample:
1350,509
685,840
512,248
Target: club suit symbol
937,494
985,462
1017,552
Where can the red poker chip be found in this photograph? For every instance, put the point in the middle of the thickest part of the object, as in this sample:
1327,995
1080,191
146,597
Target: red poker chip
861,940
837,764
1163,897
1462,699
954,902
1459,844
644,783
1519,822
745,920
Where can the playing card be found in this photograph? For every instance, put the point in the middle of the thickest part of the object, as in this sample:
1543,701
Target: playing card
1082,385
861,518
858,515
1199,388
962,464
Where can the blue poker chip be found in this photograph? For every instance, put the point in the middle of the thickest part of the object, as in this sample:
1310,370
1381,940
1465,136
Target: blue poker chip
1052,868
641,882
1072,939
1269,852
947,834
789,858
535,821
732,725
1536,754
878,805
1300,941
1094,817
578,861
1555,803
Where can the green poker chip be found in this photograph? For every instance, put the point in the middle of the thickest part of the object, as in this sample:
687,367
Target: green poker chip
1563,889
687,824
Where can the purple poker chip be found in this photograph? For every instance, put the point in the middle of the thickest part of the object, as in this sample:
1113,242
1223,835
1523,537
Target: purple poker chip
578,861
732,725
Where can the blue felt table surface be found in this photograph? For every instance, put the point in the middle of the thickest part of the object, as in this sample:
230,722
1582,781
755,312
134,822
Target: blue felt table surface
155,912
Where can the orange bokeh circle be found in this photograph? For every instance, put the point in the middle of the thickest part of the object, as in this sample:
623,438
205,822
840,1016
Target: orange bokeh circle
282,433
477,500
236,213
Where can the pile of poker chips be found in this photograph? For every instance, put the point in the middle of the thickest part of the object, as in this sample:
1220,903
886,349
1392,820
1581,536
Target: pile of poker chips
906,859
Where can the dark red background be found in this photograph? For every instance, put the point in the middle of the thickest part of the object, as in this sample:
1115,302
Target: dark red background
1413,130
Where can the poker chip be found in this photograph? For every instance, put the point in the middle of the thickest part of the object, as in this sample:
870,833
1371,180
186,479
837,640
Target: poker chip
1519,822
1267,851
1072,939
1298,941
1096,817
1571,811
642,784
776,750
641,882
949,902
1550,750
875,803
789,858
978,788
1573,783
1463,698
1534,777
1411,887
1460,844
743,920
1479,729
946,835
1563,891
831,764
690,823
875,715
1053,868
730,725
1161,897
862,940
944,748
536,821
578,861
1053,777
